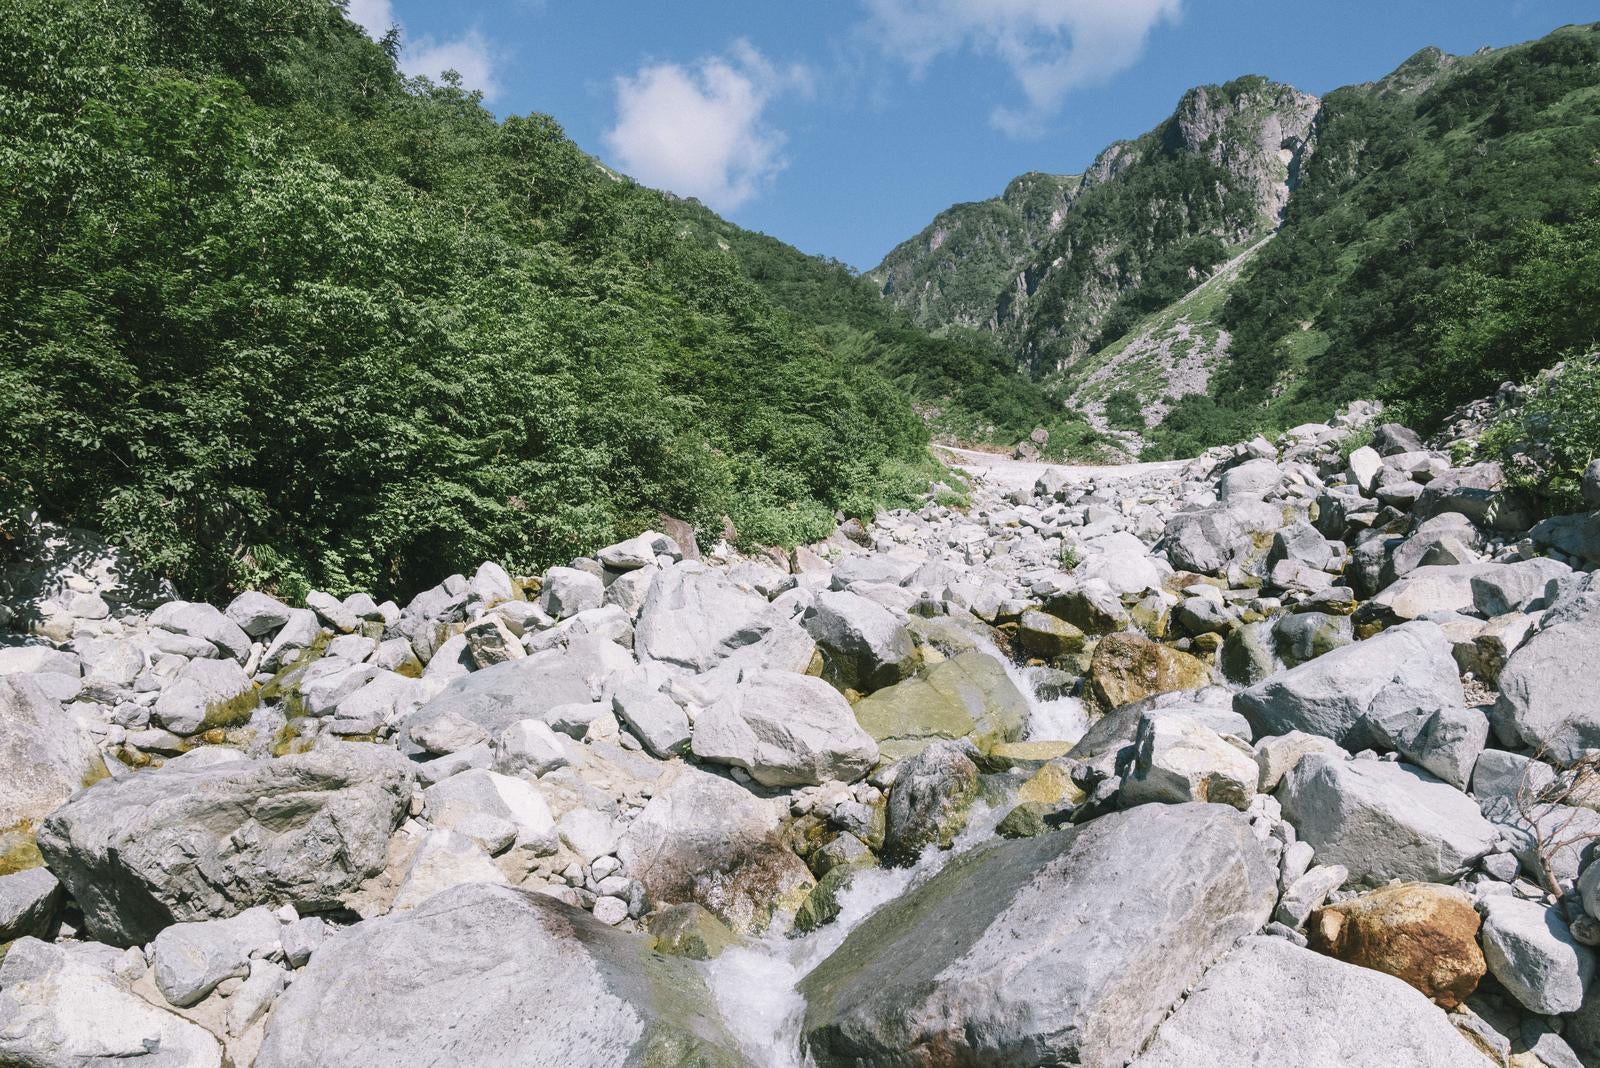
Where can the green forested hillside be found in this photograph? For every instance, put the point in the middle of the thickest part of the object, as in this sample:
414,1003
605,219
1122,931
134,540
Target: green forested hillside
1143,226
271,313
954,272
964,385
1419,198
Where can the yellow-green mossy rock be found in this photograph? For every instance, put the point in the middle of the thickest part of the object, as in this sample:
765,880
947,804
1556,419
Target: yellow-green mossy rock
1026,821
1131,667
966,696
1152,615
821,906
1027,756
1051,785
1045,635
690,930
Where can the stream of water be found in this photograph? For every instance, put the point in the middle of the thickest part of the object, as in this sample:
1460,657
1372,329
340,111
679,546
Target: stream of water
755,984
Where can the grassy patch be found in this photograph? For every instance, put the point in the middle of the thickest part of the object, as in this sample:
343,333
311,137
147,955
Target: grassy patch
234,712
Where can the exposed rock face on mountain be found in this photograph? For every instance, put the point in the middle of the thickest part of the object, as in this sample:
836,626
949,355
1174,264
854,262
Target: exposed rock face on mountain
866,804
952,273
1045,265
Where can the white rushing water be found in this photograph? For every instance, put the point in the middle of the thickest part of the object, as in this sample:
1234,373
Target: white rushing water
755,984
1060,719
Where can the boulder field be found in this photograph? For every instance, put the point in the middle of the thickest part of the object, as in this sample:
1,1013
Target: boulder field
1286,754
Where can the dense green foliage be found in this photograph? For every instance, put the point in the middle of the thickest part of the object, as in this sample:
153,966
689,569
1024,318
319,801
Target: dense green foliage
1423,190
1553,436
272,313
1521,307
962,382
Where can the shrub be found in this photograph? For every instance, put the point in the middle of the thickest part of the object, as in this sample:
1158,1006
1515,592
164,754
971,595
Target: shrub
1546,444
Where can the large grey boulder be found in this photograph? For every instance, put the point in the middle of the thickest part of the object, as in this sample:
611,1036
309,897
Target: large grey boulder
1447,743
29,900
1251,479
292,641
1207,540
1393,439
481,976
496,697
638,552
202,695
1383,820
201,842
1478,492
333,612
479,792
1484,589
1270,1002
257,614
1177,758
1450,536
206,622
866,647
190,959
1407,669
693,617
1548,687
654,718
44,756
1523,586
1068,948
568,591
62,1006
1575,535
1530,950
786,730
444,859
705,839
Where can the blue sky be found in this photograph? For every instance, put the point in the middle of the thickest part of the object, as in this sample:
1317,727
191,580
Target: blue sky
843,126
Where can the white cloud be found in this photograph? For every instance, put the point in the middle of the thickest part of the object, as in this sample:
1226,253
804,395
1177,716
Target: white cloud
374,16
700,130
1050,46
468,55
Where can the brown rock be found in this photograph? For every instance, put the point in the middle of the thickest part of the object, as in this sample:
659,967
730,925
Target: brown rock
1131,667
1422,933
682,533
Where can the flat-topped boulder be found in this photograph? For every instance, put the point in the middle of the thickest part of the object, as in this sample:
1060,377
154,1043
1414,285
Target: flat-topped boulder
1408,669
489,975
1067,948
528,688
206,841
1271,1002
